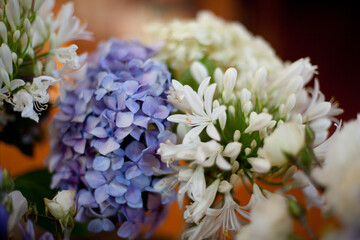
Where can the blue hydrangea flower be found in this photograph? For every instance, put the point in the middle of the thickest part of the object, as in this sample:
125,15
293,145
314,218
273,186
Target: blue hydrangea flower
105,138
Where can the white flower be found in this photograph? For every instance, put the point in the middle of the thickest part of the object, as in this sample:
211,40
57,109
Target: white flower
67,27
340,173
197,209
288,138
227,221
194,187
270,220
19,208
201,114
67,56
62,204
24,103
177,97
38,88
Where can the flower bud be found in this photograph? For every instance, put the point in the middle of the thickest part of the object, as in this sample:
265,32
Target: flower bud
219,79
260,165
27,26
62,204
287,139
237,135
229,83
5,54
16,35
3,32
198,71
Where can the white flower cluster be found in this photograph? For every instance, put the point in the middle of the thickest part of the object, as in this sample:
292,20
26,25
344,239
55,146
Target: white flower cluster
207,36
30,38
251,129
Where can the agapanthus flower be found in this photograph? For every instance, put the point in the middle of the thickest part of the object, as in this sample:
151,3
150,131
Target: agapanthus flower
106,135
255,128
31,36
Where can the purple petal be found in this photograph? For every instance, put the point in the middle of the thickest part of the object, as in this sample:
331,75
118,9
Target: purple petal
133,194
109,146
121,133
116,189
117,163
120,200
101,163
108,225
132,172
147,163
79,146
159,124
149,78
130,87
94,179
141,121
132,105
95,225
121,101
161,112
86,198
91,122
149,106
101,193
100,93
136,133
110,102
134,150
151,138
99,132
107,81
124,119
141,181
125,230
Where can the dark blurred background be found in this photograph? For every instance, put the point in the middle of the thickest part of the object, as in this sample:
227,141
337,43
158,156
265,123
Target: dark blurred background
325,31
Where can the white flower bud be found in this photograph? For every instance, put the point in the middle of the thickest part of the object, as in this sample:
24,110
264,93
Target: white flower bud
20,61
295,84
245,96
237,135
235,166
288,138
4,78
23,41
198,71
3,32
260,165
253,144
222,120
231,110
248,107
258,121
14,57
234,178
290,102
16,35
62,204
38,68
216,103
259,79
13,13
27,26
225,186
229,83
232,150
181,130
30,52
247,151
5,54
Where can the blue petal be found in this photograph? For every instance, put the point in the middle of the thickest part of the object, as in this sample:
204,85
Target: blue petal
141,121
101,163
124,119
149,106
95,225
125,230
108,225
116,189
141,181
117,163
132,172
94,179
134,150
133,194
132,105
109,146
101,193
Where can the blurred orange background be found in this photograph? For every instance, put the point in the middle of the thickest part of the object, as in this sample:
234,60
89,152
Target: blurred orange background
326,31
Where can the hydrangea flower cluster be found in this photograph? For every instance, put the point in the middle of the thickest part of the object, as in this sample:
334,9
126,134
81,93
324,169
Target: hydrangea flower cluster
235,127
106,135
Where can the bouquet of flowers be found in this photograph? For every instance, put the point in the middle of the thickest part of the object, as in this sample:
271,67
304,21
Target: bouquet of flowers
203,116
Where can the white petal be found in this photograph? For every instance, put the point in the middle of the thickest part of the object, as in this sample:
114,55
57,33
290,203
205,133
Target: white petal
212,132
222,163
193,134
260,165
